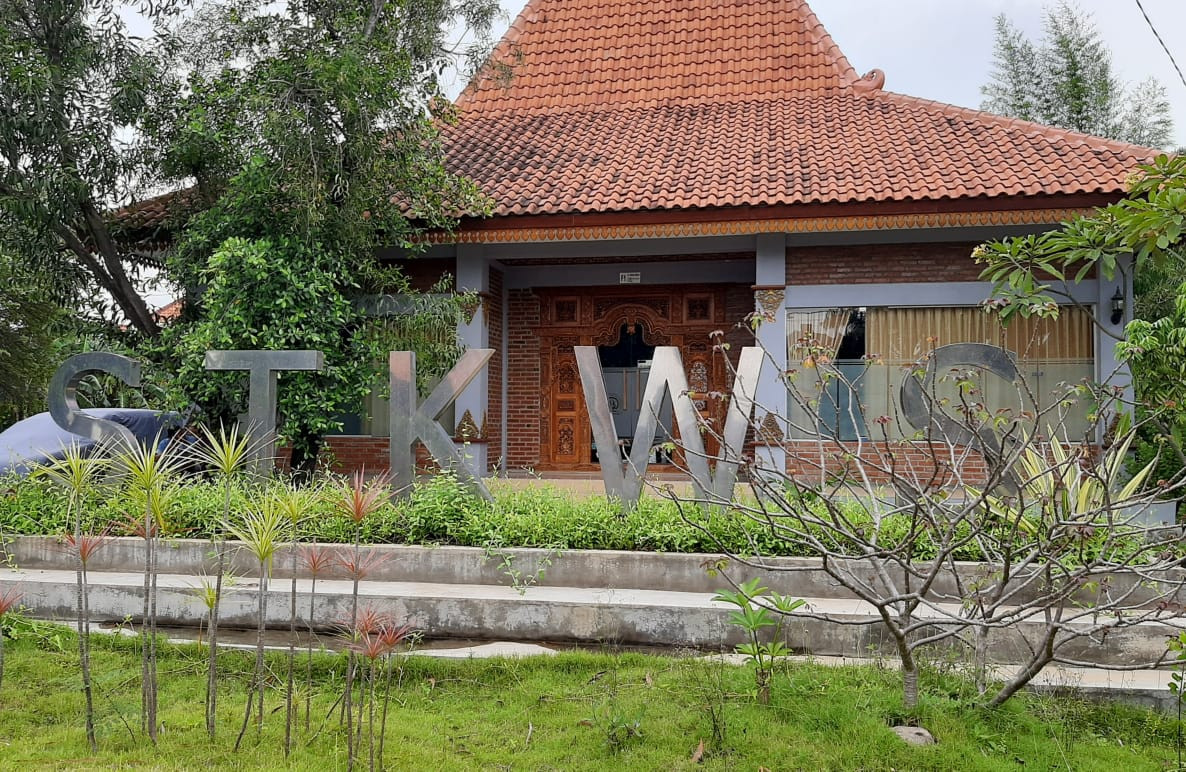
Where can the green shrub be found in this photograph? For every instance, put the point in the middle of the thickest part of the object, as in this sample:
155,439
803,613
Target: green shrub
441,511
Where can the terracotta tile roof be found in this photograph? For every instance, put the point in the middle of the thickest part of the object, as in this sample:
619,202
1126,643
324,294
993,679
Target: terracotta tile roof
169,312
627,105
155,219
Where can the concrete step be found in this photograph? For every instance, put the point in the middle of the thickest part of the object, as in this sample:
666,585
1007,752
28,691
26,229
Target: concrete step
588,615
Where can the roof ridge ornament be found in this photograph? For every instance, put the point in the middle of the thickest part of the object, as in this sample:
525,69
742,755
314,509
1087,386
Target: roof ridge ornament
873,80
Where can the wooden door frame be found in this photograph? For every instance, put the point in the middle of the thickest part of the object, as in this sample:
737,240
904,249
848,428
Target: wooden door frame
594,316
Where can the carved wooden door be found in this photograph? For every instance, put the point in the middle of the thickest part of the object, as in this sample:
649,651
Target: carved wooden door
681,316
566,420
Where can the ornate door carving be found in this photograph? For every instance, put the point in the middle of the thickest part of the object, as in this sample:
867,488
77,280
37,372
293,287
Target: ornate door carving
682,316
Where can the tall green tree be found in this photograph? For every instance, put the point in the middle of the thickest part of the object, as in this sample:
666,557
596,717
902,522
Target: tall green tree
27,318
311,126
1066,80
76,89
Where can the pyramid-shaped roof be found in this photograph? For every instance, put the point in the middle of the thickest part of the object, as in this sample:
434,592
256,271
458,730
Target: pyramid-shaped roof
636,105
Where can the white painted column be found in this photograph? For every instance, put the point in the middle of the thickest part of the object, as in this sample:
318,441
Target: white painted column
473,275
770,278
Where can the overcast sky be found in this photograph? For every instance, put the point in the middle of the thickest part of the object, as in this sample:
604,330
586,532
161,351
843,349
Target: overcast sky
942,49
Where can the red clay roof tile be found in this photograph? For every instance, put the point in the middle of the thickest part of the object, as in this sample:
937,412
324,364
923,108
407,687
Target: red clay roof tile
625,105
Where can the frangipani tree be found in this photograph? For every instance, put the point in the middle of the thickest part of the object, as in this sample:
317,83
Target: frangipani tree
1063,555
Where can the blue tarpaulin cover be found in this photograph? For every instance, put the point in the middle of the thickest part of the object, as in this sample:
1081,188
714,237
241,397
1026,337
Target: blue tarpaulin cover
38,439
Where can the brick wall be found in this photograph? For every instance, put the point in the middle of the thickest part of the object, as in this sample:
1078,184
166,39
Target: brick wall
494,320
523,388
916,462
424,272
874,263
349,453
739,304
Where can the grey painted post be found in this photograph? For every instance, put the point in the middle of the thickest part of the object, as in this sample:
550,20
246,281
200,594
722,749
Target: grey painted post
264,367
63,395
1109,369
624,481
411,421
770,274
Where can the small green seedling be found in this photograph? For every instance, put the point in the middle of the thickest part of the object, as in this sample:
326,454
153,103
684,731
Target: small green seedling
757,609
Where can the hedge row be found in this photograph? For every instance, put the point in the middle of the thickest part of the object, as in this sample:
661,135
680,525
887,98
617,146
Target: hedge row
441,511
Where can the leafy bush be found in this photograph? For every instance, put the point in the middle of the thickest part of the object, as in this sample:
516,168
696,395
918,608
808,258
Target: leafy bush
441,511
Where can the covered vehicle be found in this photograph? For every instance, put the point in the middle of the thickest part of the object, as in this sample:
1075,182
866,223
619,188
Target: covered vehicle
38,440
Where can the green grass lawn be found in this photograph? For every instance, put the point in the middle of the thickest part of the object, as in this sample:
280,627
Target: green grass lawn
567,712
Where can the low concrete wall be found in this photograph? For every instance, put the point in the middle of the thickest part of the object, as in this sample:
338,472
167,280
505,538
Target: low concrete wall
799,577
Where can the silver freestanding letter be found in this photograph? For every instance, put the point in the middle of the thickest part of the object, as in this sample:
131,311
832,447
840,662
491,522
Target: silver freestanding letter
261,395
412,420
667,374
63,395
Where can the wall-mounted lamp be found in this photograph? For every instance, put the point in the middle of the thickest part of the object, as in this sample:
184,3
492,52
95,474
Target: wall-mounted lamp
1117,306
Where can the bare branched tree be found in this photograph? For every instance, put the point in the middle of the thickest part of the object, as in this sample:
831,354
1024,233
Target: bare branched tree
977,513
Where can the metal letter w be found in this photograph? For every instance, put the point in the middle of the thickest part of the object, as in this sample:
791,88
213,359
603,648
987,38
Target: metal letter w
624,481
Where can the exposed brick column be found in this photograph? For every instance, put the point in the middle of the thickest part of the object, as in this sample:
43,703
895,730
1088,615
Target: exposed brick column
493,427
523,384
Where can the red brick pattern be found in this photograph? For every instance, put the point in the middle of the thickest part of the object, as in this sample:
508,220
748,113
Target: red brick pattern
739,304
424,272
351,453
880,263
346,454
638,105
915,462
494,321
523,371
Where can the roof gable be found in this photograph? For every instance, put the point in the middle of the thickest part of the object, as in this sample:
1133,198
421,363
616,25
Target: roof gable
645,105
577,54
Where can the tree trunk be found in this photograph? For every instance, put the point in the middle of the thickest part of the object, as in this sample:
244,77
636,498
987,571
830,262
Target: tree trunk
371,717
259,650
762,679
309,654
386,699
84,631
152,632
144,623
981,663
289,711
909,684
212,671
351,660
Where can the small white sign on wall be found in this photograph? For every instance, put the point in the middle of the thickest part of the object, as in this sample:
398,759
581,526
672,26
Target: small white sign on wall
629,277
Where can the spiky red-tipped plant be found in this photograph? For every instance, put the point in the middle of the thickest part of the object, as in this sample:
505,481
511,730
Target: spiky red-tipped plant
79,474
373,638
150,478
228,453
357,565
317,561
83,547
359,500
295,503
260,531
10,600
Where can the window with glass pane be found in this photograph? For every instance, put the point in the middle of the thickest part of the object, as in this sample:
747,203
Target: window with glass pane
849,365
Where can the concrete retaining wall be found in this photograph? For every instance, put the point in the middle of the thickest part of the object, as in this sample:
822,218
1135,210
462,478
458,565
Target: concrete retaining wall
799,577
